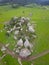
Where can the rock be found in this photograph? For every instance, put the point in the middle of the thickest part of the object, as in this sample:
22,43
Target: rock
14,49
19,47
31,46
19,23
19,60
1,31
26,30
31,50
20,43
17,50
27,44
18,28
5,27
22,21
15,18
3,49
8,32
23,18
30,14
21,29
24,53
27,19
5,62
26,37
15,38
16,32
14,27
11,30
31,63
28,24
30,28
2,56
34,36
7,45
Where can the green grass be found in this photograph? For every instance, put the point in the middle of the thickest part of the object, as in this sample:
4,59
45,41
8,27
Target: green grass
41,18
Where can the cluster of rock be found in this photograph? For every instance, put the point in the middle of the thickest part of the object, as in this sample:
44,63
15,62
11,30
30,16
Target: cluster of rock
24,34
3,49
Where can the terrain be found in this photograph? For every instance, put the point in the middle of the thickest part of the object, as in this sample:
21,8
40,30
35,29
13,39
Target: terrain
40,16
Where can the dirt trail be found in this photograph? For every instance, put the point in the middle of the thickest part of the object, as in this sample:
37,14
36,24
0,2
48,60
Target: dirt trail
29,58
38,55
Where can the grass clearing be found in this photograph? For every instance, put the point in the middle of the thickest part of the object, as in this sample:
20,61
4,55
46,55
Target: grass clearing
41,18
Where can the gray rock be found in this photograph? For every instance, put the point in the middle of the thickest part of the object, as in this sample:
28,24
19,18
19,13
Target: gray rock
7,45
14,27
24,53
16,32
31,29
20,43
3,48
17,50
15,38
28,44
15,18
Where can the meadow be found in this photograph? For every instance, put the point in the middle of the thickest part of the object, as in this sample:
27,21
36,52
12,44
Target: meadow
40,16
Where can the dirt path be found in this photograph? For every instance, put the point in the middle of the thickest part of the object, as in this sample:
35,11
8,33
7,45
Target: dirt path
29,58
38,55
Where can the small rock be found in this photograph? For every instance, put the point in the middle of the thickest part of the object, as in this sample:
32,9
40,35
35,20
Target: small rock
30,28
16,32
19,60
7,45
15,37
22,21
19,23
32,64
34,36
28,19
23,18
14,27
26,43
20,43
15,18
28,24
14,49
1,31
21,29
30,14
3,48
9,32
17,50
18,28
5,62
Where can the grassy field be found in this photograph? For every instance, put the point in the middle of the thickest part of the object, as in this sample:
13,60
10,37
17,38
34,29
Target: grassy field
41,17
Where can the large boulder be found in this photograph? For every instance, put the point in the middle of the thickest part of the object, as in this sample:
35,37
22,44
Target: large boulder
24,53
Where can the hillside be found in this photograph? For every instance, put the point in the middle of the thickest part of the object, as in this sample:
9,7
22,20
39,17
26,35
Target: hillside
24,2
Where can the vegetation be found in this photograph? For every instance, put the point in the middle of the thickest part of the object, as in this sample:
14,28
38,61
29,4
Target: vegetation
40,16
